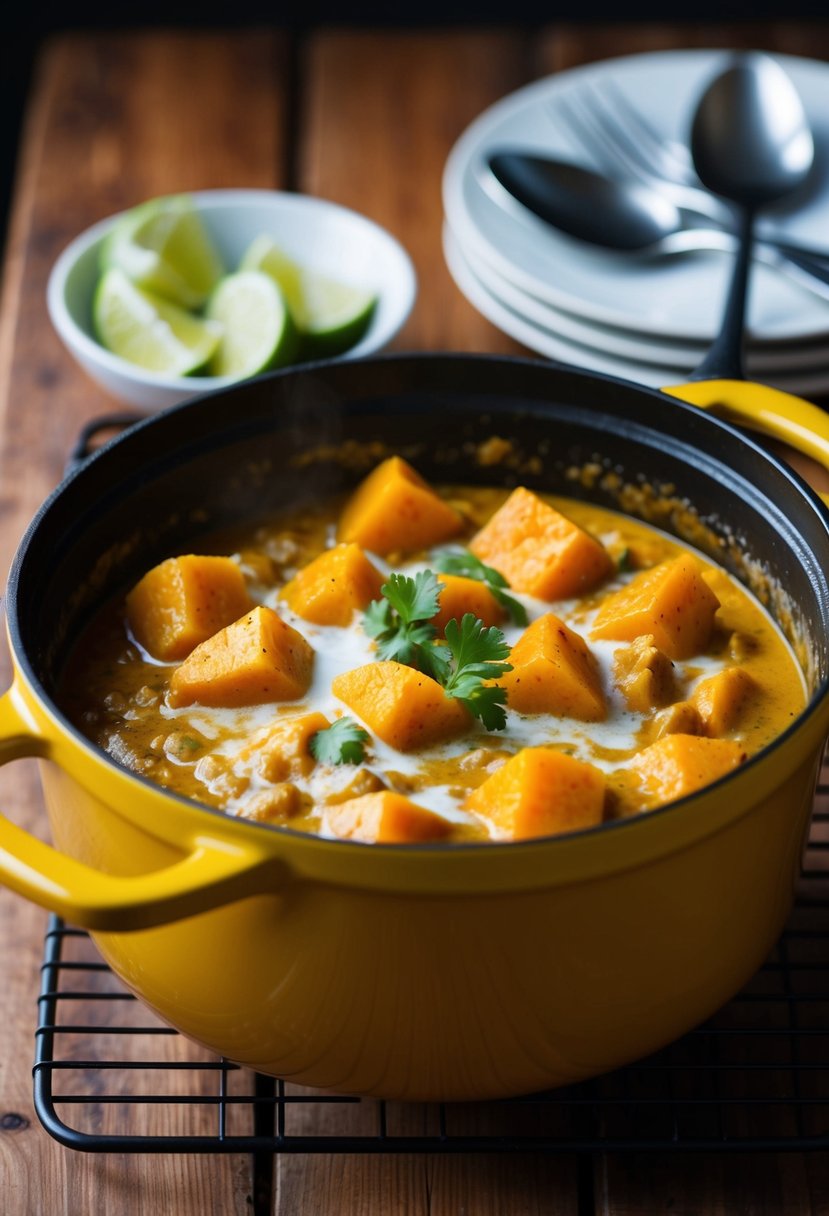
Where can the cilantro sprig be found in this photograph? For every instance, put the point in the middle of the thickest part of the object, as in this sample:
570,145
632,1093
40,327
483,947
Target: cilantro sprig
473,654
468,565
400,623
479,654
343,742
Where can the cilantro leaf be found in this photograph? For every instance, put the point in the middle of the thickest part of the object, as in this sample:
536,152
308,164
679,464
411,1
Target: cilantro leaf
479,654
414,599
467,565
341,743
377,618
624,562
401,626
463,562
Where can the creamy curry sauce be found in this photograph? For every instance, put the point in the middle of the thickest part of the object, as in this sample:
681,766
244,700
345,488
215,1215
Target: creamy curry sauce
118,694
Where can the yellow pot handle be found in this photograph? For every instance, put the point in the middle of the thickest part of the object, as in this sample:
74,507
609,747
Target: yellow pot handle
767,410
213,873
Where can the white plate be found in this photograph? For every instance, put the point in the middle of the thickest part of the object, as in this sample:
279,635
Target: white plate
680,297
761,360
541,340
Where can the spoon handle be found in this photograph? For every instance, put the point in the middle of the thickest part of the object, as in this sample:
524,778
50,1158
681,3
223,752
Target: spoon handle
724,360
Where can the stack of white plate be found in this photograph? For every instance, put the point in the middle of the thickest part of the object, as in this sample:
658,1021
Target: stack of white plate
635,315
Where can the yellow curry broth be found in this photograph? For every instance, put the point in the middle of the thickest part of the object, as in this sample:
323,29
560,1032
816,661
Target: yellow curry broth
119,696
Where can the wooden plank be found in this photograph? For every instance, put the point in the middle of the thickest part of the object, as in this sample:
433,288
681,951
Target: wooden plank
113,119
116,120
763,1184
379,115
566,46
686,1185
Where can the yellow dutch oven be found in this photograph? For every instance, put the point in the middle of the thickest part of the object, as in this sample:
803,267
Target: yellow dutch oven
421,972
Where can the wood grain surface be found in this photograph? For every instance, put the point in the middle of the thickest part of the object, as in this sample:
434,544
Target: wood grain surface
365,118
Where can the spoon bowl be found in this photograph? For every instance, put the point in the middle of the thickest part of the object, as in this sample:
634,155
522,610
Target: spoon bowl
751,144
590,206
620,214
750,138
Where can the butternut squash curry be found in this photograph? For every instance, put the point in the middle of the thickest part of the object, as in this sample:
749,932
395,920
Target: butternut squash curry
471,664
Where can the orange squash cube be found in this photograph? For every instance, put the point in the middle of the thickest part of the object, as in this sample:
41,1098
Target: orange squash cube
677,765
256,659
329,588
403,707
282,750
386,818
672,601
723,699
395,509
540,792
461,595
184,601
554,672
539,551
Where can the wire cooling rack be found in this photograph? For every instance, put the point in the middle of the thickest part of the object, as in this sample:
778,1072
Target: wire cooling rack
110,1077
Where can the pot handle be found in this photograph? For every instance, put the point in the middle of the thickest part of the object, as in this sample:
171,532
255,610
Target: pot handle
768,410
214,872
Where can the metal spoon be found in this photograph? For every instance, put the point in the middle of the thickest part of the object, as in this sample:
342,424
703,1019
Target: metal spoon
751,144
625,215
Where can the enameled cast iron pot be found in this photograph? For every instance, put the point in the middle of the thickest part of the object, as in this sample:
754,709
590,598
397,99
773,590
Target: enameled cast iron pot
422,972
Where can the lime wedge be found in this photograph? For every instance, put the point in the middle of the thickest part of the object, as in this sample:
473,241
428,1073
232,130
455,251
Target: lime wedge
163,247
148,330
258,332
331,316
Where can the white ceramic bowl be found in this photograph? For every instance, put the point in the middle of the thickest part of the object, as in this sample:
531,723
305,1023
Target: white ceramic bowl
312,231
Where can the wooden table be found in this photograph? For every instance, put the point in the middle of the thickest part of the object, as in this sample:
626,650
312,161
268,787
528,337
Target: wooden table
367,119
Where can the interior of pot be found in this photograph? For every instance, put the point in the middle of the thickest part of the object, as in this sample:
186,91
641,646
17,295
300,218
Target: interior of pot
291,437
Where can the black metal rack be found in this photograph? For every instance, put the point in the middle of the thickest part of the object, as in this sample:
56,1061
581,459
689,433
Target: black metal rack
754,1077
